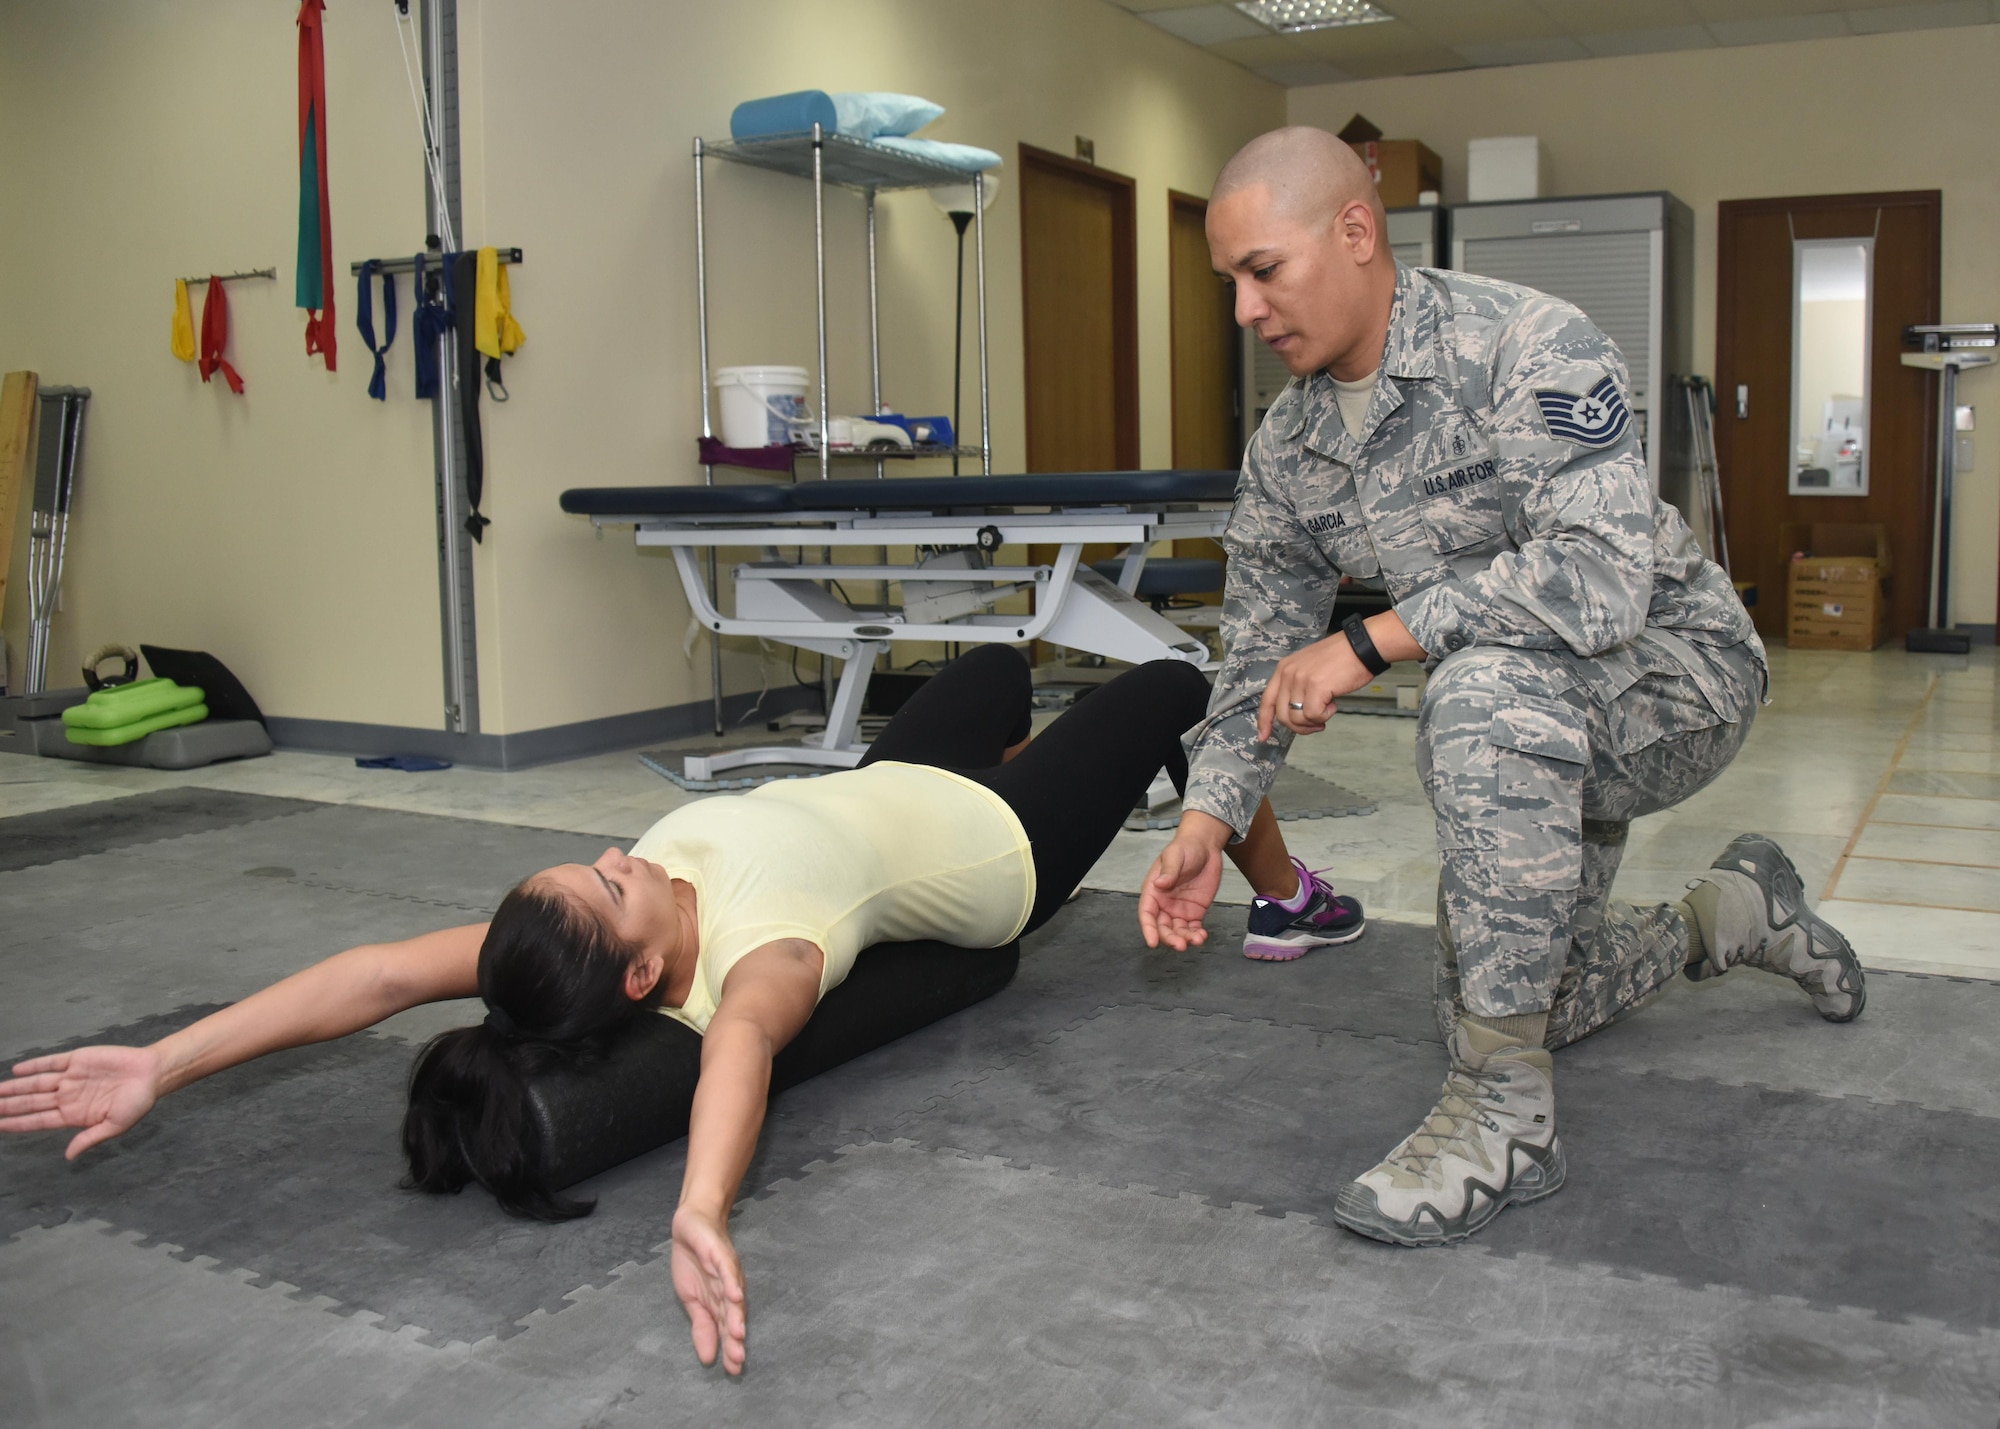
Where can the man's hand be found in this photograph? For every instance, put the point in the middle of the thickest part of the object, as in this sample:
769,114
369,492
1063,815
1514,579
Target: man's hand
709,1280
102,1090
1306,683
1182,882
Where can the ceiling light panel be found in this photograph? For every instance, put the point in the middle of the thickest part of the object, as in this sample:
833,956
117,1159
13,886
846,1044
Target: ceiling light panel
1292,17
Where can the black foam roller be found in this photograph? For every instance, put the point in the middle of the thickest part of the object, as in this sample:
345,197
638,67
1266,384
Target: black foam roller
594,1115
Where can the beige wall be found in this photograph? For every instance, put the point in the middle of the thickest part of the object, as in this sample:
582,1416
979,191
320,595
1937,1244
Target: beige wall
580,142
1904,111
290,531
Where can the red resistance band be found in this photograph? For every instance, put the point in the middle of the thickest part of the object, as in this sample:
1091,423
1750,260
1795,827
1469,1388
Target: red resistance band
312,130
215,337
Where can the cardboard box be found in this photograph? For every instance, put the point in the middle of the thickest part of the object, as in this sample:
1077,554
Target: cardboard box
1403,170
1836,596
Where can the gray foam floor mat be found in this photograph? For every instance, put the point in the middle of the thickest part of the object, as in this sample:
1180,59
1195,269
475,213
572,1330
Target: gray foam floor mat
1098,1197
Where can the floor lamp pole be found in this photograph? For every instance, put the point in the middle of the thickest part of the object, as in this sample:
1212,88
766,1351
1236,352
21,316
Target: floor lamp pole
959,221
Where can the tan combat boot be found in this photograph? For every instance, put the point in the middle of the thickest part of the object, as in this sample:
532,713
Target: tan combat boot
1750,910
1490,1142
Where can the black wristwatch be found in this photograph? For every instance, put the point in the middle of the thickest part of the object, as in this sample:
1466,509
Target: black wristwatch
1356,631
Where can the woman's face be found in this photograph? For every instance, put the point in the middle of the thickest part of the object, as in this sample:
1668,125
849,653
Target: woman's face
634,900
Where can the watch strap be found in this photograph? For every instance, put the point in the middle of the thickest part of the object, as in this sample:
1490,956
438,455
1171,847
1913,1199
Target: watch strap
1356,631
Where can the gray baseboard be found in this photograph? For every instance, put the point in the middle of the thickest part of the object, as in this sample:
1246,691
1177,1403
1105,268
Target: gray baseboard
1981,634
533,746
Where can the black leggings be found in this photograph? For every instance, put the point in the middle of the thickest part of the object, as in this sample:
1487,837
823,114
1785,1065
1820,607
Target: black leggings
1074,786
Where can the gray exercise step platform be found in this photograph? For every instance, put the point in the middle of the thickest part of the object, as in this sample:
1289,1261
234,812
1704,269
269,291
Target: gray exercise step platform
190,746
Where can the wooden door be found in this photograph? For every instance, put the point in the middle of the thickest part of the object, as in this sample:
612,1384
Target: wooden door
1080,314
1207,345
1207,357
1753,350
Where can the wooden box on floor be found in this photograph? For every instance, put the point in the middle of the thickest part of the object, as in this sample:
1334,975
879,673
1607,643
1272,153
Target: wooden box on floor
1835,596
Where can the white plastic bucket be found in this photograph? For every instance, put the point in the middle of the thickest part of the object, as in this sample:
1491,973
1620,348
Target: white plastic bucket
761,406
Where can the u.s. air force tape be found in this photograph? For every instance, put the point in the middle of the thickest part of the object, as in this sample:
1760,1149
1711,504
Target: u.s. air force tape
1598,418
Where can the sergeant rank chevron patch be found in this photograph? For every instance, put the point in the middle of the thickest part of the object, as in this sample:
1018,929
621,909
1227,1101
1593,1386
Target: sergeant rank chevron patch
1596,419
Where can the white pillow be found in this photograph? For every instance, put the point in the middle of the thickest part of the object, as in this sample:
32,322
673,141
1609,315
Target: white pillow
871,115
967,158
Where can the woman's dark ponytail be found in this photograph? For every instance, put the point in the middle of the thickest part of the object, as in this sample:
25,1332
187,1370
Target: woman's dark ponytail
554,983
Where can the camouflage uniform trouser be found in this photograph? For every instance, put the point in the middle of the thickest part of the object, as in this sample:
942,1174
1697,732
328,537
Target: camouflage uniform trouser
1535,781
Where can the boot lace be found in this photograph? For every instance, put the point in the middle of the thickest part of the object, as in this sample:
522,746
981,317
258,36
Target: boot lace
1450,1123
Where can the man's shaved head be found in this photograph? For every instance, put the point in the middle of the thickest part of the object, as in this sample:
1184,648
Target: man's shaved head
1296,225
1311,175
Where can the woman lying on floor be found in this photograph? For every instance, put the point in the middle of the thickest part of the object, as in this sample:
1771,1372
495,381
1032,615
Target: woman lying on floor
718,918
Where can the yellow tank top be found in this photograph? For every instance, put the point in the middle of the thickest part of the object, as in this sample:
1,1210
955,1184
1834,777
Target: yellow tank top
889,853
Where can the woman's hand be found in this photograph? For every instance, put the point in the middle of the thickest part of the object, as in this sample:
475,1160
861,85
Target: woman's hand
709,1279
103,1090
1182,883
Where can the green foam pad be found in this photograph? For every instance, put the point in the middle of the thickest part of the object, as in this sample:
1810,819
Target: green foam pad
125,705
138,729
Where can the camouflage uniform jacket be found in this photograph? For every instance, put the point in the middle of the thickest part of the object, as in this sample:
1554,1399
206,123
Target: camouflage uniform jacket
1499,492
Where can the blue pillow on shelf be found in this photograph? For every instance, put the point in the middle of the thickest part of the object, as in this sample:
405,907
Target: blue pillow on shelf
784,114
871,115
966,158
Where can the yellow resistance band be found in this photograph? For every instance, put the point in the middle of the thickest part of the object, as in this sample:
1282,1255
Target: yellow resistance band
494,331
184,347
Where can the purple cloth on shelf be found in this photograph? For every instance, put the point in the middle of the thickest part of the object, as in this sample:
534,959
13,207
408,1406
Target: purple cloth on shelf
714,453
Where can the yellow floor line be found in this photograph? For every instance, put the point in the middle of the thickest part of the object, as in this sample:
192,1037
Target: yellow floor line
1920,824
1938,794
1903,903
1881,788
1932,862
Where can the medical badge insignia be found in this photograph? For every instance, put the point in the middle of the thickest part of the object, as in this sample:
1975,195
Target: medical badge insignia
1596,419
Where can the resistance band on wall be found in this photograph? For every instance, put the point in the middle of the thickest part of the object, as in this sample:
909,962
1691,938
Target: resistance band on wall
495,332
183,339
215,337
364,322
465,281
433,319
315,279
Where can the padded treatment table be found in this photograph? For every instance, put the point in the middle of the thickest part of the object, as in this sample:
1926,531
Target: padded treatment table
955,526
595,1115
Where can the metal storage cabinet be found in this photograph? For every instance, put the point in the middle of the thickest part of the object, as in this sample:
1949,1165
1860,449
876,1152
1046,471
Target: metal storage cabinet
1628,261
1417,238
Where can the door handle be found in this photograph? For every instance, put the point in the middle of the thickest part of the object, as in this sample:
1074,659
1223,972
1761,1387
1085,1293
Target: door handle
1742,401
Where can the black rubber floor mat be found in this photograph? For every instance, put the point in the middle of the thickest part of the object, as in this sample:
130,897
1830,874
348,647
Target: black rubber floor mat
30,840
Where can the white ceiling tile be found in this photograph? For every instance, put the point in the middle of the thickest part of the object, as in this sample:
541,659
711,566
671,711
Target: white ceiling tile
1919,17
1523,52
1206,24
1648,42
1292,76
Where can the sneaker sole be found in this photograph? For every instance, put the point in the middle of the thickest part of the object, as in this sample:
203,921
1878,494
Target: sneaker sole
1779,879
1280,950
1355,1208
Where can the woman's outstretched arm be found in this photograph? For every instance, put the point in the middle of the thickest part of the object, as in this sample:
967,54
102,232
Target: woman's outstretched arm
104,1091
766,999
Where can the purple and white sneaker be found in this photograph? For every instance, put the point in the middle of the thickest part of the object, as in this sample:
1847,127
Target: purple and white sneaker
1314,917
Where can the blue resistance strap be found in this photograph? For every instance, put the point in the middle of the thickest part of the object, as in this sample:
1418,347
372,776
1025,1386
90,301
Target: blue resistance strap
436,315
364,320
